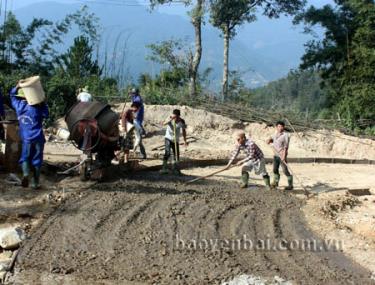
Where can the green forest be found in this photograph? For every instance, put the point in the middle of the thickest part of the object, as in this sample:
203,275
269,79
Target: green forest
334,83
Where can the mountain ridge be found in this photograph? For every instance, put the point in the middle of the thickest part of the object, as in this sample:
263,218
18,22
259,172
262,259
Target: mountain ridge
265,55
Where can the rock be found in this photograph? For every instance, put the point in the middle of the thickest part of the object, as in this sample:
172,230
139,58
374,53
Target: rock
10,238
6,256
2,276
3,266
5,260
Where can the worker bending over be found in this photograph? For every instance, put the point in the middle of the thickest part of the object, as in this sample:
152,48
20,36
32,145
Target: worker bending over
254,159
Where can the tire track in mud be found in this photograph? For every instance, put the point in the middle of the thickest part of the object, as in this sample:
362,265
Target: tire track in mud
128,231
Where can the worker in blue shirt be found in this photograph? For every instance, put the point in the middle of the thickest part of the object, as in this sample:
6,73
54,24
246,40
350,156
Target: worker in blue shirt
30,118
139,116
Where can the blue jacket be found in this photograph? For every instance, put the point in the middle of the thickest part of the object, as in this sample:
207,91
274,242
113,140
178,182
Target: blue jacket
30,118
141,113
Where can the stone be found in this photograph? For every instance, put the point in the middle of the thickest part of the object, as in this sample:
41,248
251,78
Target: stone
10,238
2,276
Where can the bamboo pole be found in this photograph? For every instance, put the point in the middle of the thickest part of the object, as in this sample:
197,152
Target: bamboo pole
212,174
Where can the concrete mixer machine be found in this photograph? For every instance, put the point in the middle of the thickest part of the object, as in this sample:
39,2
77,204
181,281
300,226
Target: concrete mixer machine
93,128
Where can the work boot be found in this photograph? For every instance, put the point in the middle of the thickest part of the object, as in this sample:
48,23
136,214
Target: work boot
164,169
35,179
26,172
290,183
143,151
266,180
275,182
176,170
244,180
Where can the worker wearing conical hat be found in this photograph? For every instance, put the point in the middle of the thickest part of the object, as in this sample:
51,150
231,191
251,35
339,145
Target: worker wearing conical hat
30,119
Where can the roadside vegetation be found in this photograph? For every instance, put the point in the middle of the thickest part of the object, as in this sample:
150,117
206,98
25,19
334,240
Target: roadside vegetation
334,86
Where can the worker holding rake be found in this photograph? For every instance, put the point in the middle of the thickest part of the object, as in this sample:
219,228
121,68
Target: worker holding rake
175,125
280,143
254,159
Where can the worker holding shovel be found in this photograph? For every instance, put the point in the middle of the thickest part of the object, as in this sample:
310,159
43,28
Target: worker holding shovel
254,159
175,124
280,143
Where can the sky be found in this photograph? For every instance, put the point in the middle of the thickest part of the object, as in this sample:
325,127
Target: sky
175,8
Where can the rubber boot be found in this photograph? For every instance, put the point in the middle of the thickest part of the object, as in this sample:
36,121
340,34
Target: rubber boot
244,180
164,170
275,182
26,172
143,151
176,170
290,183
266,180
35,179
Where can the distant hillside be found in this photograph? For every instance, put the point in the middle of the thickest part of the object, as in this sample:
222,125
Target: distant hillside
267,50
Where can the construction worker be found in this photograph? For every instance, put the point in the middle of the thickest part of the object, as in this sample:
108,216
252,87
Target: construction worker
139,115
84,95
127,128
30,118
280,142
138,131
254,159
175,124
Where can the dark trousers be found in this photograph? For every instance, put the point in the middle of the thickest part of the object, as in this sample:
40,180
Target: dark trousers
142,150
276,165
32,152
171,145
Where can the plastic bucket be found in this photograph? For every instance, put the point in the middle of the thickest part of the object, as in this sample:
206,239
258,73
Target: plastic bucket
63,134
33,90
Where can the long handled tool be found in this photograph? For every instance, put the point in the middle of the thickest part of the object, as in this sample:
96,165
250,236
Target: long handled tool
307,193
175,140
212,174
8,122
161,147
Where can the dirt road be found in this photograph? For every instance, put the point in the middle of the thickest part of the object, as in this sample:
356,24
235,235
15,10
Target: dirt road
147,230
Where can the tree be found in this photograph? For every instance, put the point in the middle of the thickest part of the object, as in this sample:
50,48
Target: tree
78,62
227,15
345,56
196,15
34,48
175,59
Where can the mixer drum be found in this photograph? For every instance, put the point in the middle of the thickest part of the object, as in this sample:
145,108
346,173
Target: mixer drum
107,122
